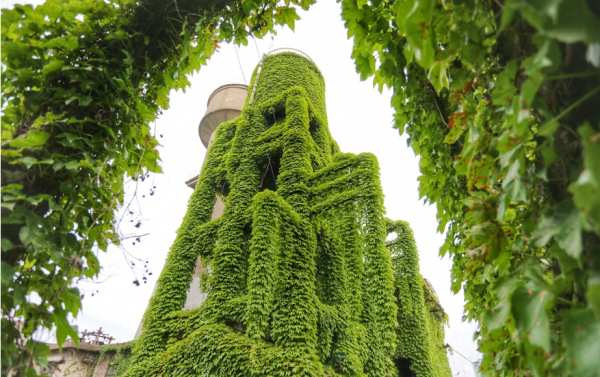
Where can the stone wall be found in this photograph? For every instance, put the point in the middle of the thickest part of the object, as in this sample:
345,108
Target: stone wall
84,360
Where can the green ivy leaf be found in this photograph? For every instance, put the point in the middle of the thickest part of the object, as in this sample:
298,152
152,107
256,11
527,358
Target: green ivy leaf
31,139
586,195
25,235
505,89
565,226
586,190
72,300
53,66
582,338
529,309
7,272
569,236
530,88
28,161
500,314
508,14
513,184
593,294
72,165
575,23
591,151
414,21
438,75
63,328
287,16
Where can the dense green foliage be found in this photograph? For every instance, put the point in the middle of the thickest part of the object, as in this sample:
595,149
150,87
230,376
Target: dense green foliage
299,279
420,317
119,355
499,99
81,80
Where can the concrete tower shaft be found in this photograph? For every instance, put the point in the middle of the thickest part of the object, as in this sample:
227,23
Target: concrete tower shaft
225,103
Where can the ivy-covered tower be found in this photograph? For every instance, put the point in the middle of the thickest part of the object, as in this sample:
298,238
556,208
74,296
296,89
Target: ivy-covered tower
298,275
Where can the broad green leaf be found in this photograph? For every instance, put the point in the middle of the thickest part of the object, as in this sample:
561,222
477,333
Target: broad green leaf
593,294
582,340
505,89
31,139
586,195
72,165
565,226
67,43
287,16
458,125
508,14
569,236
500,314
575,23
414,20
550,7
6,244
529,309
586,190
64,329
28,264
591,150
9,206
7,273
532,11
25,235
438,75
53,66
72,300
85,100
512,184
547,228
46,119
549,128
546,58
530,88
28,161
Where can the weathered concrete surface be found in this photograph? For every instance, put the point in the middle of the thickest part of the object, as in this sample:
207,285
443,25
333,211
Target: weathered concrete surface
84,360
224,103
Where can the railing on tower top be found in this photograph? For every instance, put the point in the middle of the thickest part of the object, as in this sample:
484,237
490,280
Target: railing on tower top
275,52
292,50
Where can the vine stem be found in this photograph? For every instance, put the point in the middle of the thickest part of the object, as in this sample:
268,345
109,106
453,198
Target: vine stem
581,100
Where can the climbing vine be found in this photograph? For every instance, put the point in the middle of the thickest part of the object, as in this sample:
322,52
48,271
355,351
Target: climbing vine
300,281
499,100
420,317
81,81
118,357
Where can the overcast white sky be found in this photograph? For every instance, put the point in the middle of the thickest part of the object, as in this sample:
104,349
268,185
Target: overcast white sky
360,119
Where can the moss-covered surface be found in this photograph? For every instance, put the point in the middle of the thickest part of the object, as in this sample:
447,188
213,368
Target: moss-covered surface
301,282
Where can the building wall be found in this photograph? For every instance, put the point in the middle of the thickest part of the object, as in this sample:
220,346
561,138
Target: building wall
85,360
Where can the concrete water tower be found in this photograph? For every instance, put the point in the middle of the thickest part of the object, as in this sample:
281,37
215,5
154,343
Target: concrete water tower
225,103
297,267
